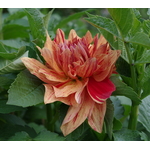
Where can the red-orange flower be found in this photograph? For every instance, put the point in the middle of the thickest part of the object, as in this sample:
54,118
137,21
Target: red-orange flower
77,72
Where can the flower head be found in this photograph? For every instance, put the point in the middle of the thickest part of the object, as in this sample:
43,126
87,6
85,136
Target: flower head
77,72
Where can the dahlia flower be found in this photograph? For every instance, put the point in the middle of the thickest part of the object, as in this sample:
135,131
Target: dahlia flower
76,72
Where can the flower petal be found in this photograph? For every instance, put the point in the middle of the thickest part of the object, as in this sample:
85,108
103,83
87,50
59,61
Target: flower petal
78,94
50,97
48,55
96,118
53,76
107,65
88,38
60,36
100,91
67,88
76,116
73,35
34,66
49,43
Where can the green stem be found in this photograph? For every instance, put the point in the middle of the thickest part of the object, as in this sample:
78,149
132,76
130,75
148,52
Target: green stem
50,114
133,117
134,108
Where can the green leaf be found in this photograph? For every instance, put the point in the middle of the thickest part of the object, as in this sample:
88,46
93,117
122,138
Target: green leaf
16,44
118,108
36,25
123,18
48,136
15,65
140,39
2,48
26,90
7,55
109,116
8,130
70,18
6,80
46,18
145,58
4,108
136,27
4,53
117,125
37,112
144,83
1,23
36,127
144,113
123,90
148,12
104,24
15,15
126,135
144,136
146,26
11,120
11,31
126,103
20,136
136,12
13,10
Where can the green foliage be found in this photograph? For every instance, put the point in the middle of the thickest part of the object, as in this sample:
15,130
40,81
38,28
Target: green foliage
123,19
37,26
124,90
109,118
26,90
4,108
144,113
13,65
126,135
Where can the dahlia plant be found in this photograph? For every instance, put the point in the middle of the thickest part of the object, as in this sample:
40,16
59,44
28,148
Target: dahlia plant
78,77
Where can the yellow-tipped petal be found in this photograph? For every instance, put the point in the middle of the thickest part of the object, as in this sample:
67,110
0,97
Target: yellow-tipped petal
50,97
49,43
88,37
76,116
60,36
53,75
67,88
72,35
96,118
34,66
50,59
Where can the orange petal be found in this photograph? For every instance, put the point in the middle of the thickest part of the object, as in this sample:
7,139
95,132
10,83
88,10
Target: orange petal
96,118
53,75
50,59
49,43
87,68
72,35
50,97
67,88
60,36
110,61
76,116
88,38
101,40
34,66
